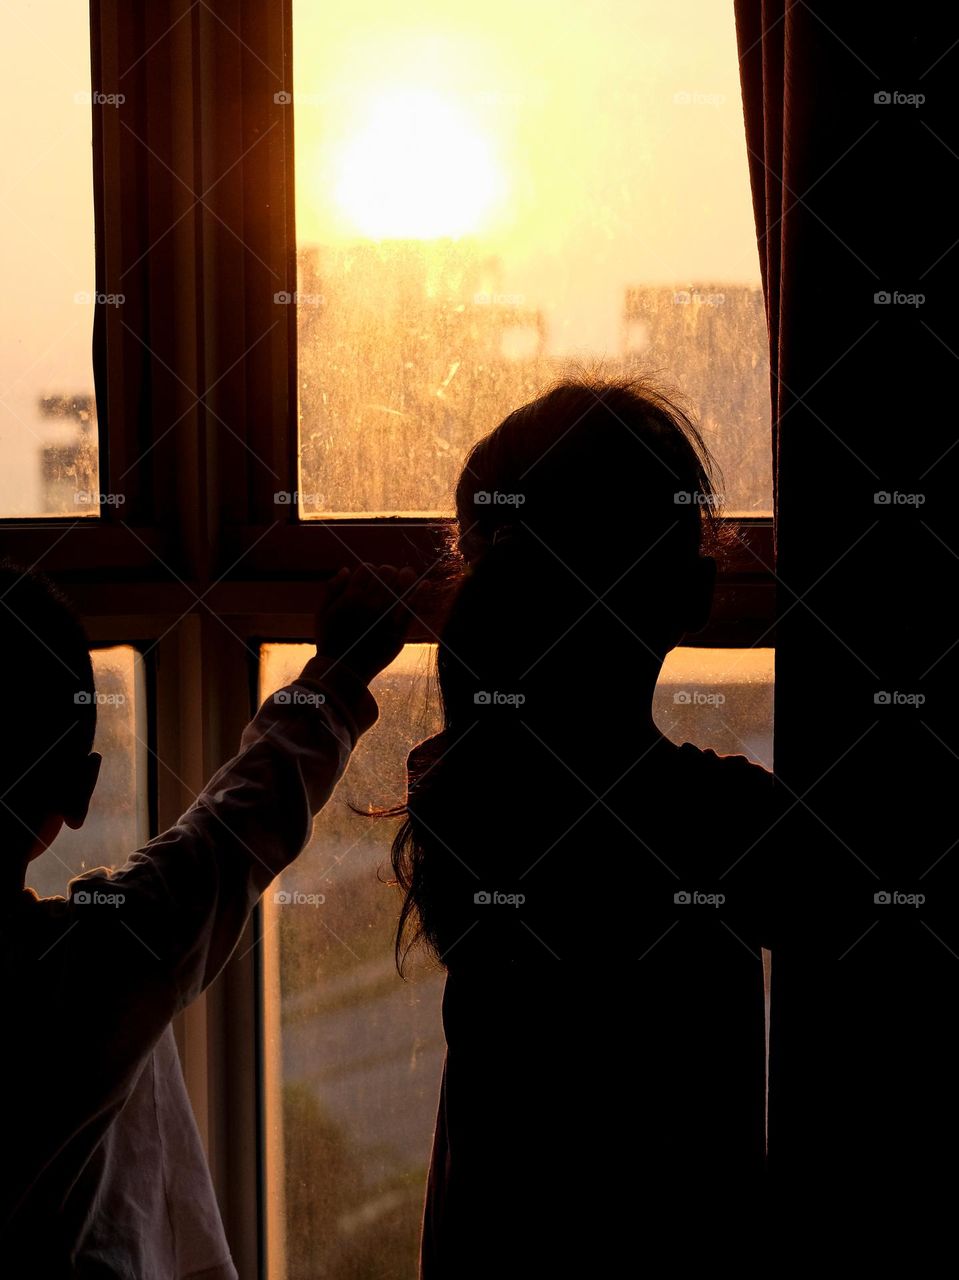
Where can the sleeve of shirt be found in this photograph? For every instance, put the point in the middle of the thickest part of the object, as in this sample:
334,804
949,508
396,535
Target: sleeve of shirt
175,910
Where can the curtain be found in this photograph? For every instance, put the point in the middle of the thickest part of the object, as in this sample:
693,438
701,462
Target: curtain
850,124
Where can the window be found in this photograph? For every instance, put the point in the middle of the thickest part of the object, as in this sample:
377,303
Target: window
489,196
353,1053
279,339
118,818
48,420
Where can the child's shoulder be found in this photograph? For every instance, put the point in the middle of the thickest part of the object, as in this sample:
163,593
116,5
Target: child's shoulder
726,771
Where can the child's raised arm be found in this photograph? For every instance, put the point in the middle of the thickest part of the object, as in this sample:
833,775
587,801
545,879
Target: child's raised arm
166,922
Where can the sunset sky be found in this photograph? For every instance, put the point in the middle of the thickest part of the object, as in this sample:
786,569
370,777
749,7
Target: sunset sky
595,169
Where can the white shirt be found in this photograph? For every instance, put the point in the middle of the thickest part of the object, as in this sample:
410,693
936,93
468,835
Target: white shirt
103,1173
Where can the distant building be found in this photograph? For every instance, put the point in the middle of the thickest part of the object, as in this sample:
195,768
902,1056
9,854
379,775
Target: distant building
708,341
408,351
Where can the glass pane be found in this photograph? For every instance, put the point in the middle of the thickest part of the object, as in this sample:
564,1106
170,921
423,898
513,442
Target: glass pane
719,698
490,193
353,1054
118,819
48,427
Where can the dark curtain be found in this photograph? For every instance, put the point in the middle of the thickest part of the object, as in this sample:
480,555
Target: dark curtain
850,113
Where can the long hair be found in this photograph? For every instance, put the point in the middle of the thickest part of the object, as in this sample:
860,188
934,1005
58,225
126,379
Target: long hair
595,496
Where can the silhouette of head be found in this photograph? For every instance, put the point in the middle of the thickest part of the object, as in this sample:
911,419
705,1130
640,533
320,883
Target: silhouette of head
592,464
47,768
586,522
585,525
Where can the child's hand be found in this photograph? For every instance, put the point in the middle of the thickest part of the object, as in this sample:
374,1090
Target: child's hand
363,617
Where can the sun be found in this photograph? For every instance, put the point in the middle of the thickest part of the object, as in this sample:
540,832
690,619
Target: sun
418,169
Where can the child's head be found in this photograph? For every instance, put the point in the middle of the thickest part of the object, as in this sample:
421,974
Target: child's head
47,767
593,466
586,522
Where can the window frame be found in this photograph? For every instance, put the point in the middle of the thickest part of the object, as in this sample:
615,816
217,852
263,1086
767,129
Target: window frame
197,407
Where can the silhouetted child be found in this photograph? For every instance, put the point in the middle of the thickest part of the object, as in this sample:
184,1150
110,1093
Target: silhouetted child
587,883
102,1168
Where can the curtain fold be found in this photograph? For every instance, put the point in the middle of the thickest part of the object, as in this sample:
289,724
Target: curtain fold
850,121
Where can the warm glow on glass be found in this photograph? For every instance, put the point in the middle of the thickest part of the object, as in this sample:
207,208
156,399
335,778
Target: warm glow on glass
491,196
48,418
418,168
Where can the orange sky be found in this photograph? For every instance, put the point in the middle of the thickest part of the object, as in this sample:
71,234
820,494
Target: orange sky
615,126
